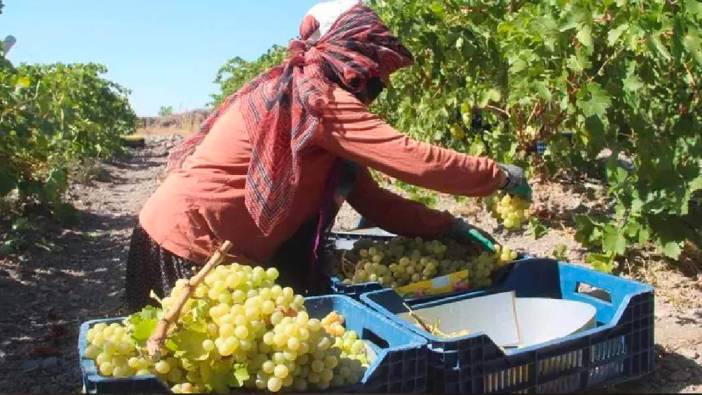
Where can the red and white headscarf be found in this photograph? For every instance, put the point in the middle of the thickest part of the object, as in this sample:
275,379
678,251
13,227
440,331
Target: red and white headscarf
282,107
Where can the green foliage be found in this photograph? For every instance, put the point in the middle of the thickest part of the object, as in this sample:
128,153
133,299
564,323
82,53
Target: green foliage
143,323
560,252
14,238
420,195
623,75
537,229
165,111
494,77
237,71
53,117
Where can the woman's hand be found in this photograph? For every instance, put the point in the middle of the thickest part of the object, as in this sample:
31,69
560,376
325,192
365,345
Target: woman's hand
461,231
515,182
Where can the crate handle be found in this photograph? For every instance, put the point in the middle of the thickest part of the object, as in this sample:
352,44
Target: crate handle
371,336
588,290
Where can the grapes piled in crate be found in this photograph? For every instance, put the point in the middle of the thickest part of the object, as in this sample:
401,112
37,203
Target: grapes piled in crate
239,330
402,262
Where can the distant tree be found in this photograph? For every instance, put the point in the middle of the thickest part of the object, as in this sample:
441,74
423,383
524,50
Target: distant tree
164,111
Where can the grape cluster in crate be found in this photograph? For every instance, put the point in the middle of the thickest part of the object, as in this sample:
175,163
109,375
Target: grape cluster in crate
239,330
401,261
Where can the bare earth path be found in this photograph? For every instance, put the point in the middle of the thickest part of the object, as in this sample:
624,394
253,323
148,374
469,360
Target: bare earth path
46,295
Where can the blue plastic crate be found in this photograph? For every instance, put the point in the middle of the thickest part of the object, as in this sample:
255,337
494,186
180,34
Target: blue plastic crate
620,348
346,240
400,364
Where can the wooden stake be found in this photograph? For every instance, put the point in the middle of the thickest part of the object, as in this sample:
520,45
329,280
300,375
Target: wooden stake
158,337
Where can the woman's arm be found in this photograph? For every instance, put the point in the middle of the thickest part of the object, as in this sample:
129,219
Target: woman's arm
352,132
394,213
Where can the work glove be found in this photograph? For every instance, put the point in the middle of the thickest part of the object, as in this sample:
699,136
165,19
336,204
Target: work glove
515,182
463,231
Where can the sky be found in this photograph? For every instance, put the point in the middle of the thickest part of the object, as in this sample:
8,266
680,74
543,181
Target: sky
167,52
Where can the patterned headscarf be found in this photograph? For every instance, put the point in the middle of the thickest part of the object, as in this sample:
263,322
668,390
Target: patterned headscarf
282,108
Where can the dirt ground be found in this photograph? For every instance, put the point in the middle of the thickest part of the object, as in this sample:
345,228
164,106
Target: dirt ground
46,294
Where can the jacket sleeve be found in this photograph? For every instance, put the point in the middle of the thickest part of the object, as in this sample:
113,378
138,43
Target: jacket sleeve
394,213
350,131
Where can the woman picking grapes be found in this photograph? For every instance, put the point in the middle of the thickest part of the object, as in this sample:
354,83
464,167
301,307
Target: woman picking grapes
271,166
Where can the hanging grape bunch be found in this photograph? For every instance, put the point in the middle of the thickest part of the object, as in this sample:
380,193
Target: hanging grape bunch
239,330
511,211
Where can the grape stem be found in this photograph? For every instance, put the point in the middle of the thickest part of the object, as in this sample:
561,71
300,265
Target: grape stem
416,317
158,337
345,263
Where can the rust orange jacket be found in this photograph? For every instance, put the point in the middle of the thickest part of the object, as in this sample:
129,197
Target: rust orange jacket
202,204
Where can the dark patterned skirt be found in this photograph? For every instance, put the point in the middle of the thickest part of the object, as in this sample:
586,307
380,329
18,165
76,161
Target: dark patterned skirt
150,267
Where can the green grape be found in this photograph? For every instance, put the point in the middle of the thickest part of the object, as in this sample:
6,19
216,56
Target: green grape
106,368
300,384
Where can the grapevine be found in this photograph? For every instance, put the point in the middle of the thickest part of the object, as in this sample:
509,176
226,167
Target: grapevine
54,117
502,78
239,330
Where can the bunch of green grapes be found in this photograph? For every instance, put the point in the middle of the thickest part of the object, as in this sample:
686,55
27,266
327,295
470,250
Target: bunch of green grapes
401,261
114,350
483,266
239,329
512,211
504,255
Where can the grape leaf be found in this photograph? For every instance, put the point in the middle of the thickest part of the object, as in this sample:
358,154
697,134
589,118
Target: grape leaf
579,62
632,83
542,90
657,44
188,364
491,95
588,231
672,249
692,44
241,374
196,319
644,235
601,262
571,24
614,34
187,343
560,252
584,35
537,229
597,104
217,375
143,323
613,240
694,7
